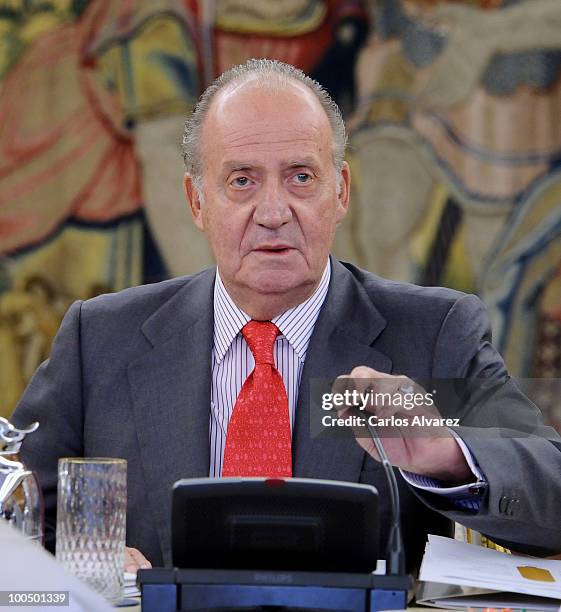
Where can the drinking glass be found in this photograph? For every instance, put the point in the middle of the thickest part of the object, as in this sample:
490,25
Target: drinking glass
91,521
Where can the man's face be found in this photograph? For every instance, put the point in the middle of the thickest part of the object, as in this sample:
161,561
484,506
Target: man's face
271,199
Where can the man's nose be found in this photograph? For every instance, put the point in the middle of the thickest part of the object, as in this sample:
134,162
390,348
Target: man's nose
272,209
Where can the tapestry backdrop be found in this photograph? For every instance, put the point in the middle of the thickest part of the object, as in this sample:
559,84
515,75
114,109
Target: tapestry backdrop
455,146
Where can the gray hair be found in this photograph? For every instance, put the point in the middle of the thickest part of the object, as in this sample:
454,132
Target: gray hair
264,70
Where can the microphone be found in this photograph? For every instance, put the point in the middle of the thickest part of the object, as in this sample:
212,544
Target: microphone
395,554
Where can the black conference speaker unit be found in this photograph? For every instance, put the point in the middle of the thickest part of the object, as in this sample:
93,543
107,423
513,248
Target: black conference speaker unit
273,544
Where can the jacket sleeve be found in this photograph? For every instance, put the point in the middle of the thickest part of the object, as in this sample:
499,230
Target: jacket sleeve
519,456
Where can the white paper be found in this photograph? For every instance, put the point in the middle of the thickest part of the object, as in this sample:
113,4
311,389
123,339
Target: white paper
131,590
452,562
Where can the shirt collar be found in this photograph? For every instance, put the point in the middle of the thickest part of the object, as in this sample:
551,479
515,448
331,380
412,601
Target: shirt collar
295,324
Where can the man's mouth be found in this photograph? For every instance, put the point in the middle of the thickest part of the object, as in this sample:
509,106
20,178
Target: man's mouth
277,249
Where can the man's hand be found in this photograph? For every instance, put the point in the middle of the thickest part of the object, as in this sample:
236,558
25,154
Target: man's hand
429,450
135,560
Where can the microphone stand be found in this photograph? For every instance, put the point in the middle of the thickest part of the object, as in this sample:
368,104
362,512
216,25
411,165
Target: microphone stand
395,554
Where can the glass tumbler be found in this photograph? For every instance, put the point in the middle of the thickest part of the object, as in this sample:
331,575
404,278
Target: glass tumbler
91,522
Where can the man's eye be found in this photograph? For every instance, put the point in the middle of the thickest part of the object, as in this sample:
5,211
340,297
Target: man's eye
240,181
302,177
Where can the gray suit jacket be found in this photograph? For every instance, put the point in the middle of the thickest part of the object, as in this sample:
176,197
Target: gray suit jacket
130,376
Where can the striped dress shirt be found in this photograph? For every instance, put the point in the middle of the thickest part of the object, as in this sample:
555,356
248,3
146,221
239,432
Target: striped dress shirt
233,362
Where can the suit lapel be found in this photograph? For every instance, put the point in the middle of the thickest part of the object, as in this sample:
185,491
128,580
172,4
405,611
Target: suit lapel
344,337
171,386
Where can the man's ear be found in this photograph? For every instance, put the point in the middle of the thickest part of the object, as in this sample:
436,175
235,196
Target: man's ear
194,200
343,192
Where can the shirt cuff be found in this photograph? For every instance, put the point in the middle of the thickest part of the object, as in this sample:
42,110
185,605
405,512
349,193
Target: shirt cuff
432,485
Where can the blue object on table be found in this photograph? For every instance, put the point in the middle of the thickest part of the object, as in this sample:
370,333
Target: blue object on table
174,590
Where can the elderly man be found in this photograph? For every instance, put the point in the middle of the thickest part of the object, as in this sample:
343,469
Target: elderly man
171,376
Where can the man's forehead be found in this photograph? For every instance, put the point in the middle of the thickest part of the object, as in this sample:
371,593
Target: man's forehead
262,119
275,150
256,103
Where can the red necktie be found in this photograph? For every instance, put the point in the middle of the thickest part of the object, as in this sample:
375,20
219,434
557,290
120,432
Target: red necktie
258,439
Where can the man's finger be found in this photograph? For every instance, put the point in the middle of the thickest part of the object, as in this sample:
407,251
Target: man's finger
135,560
358,380
341,384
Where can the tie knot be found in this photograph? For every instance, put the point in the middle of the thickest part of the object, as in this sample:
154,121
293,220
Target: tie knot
260,337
